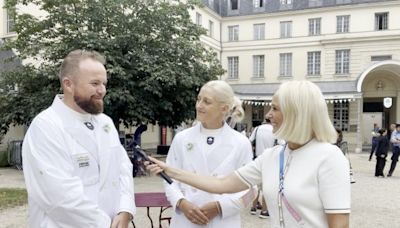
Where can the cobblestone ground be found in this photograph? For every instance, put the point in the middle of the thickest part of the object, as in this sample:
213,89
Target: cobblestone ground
375,201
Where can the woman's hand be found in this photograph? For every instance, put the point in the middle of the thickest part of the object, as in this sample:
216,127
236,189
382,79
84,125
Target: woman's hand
156,166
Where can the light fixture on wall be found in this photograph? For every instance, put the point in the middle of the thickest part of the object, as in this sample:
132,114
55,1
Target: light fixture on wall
379,85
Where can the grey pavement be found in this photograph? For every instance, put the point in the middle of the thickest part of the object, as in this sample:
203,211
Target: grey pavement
375,201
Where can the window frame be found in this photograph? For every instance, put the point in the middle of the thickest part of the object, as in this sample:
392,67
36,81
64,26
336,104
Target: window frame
342,23
286,29
233,33
258,66
341,111
313,63
314,26
233,67
285,64
381,24
342,61
259,31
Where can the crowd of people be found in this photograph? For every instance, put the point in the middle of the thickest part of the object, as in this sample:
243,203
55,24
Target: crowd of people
78,175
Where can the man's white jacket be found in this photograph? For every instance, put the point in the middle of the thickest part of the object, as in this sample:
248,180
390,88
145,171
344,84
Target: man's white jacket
75,177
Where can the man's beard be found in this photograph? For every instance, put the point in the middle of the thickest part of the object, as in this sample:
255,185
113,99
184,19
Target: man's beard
89,105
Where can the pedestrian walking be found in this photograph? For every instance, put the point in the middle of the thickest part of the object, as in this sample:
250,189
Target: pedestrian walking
381,152
262,138
395,140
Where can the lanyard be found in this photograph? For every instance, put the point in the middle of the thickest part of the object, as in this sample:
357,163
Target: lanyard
281,196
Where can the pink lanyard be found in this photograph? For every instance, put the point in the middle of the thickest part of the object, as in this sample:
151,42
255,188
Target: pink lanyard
281,195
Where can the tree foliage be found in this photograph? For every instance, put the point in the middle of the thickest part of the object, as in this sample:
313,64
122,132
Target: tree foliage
155,61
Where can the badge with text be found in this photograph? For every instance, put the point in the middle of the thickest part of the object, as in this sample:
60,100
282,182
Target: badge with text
82,160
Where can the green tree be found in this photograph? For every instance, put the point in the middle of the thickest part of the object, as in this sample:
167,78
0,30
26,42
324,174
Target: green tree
155,61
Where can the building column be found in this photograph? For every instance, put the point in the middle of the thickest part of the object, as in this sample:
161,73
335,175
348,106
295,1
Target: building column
359,116
398,107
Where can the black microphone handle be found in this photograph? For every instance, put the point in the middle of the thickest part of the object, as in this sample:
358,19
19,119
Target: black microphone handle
165,177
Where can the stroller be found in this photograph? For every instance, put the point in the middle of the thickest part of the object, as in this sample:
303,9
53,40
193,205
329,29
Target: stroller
137,160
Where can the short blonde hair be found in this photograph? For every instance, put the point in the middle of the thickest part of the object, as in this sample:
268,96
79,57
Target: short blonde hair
70,64
225,95
305,113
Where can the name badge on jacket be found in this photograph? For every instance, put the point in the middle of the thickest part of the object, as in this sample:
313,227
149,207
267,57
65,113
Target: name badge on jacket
82,160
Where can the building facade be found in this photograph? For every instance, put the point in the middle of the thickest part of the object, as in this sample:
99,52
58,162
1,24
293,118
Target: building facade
349,48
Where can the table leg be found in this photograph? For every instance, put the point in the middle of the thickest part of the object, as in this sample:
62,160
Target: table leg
148,215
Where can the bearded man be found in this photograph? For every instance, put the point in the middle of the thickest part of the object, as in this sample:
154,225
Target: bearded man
76,171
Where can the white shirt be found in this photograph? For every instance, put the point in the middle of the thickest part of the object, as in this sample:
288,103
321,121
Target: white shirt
316,182
264,138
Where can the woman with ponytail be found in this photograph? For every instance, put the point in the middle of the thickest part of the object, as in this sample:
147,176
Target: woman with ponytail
211,147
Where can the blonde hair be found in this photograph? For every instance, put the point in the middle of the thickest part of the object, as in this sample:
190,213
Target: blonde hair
224,95
305,113
70,65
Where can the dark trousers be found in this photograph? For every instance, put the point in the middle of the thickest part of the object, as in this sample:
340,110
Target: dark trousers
395,158
374,144
380,165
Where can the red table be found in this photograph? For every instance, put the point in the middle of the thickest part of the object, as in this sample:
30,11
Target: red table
153,199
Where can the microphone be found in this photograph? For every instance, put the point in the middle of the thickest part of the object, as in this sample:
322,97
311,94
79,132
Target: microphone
143,154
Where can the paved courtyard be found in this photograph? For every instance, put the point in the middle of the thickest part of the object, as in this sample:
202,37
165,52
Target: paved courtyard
375,201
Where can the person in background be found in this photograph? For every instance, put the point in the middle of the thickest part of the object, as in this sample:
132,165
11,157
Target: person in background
306,181
344,148
210,147
76,171
375,135
381,152
395,140
263,138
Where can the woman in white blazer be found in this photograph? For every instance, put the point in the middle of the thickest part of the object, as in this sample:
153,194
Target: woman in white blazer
211,147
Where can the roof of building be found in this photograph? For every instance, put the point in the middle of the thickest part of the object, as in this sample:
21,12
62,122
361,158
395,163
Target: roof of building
330,89
246,7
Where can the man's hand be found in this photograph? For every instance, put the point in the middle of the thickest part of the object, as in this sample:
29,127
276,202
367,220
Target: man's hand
193,213
210,209
121,220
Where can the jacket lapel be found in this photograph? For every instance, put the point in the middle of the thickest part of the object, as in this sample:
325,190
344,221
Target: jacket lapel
194,151
103,140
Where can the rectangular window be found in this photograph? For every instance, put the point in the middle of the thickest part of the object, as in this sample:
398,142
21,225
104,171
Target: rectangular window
258,3
314,63
285,65
233,33
10,20
342,23
234,4
286,29
198,19
314,26
233,67
286,2
259,31
342,61
211,28
341,115
258,66
381,21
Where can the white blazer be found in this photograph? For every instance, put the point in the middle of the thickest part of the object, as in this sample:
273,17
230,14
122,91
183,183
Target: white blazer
75,179
186,153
